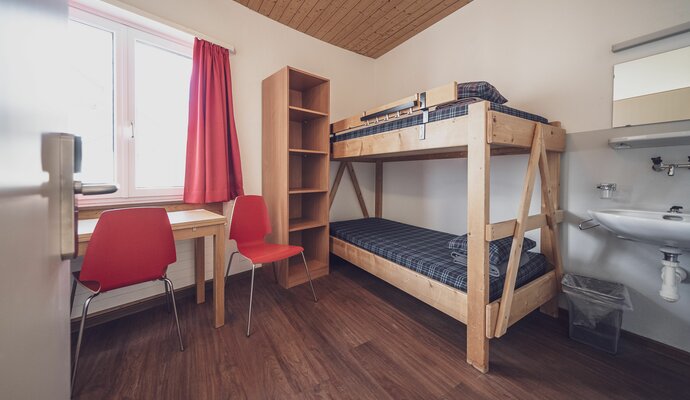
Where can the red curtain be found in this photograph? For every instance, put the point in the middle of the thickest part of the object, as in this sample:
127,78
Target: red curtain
213,170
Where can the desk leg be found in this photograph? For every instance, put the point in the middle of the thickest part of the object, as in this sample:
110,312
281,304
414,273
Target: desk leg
219,276
200,269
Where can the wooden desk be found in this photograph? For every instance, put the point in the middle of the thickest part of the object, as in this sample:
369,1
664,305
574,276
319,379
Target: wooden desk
192,224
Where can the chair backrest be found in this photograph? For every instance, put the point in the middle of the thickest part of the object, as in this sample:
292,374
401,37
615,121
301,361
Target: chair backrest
249,222
129,246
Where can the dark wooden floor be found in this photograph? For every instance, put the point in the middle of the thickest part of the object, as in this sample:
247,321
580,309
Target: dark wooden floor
364,339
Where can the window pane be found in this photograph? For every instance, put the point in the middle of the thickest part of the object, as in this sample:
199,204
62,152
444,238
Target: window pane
91,99
161,98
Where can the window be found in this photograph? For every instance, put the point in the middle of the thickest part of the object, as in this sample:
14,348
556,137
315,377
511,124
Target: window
128,100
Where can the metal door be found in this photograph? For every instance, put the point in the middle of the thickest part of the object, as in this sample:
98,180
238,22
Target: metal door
34,280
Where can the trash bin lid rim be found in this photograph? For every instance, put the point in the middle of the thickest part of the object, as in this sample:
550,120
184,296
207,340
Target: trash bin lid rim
570,281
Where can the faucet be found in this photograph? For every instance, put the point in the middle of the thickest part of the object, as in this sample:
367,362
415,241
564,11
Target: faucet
675,209
658,165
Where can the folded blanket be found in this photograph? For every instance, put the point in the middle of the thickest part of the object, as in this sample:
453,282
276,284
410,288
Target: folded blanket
499,250
481,89
495,270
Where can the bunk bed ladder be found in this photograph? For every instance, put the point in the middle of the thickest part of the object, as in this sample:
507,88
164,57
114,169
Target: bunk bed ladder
519,234
538,160
549,200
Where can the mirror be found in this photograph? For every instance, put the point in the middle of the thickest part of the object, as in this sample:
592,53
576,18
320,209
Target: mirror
652,89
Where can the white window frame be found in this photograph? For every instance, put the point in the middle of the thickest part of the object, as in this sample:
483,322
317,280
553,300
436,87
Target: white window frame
127,30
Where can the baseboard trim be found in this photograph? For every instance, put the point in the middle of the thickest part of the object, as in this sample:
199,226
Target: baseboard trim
111,314
675,353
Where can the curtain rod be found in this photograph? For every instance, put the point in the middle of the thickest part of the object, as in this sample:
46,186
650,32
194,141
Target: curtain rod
142,13
651,37
200,35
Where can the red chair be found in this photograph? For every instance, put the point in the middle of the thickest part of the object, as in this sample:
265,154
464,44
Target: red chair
249,225
128,246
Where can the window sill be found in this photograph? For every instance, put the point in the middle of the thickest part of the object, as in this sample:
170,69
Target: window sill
84,203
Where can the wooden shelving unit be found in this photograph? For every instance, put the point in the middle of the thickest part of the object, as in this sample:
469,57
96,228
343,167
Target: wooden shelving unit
296,149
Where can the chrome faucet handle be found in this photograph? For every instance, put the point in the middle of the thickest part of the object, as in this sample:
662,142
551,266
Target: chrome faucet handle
675,209
606,186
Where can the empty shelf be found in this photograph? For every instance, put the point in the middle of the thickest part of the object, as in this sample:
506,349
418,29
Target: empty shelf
300,224
303,114
307,190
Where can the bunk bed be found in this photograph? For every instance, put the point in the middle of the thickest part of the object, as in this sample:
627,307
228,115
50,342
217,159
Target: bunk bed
444,123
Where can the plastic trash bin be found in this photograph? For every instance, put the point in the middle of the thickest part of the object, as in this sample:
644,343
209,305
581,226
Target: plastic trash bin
595,310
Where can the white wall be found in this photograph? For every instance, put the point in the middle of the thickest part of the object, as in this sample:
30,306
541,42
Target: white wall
551,57
595,252
263,47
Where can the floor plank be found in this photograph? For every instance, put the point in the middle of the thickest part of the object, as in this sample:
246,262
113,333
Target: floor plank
364,339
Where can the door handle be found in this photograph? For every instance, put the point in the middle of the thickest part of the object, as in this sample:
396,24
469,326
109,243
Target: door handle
91,189
67,149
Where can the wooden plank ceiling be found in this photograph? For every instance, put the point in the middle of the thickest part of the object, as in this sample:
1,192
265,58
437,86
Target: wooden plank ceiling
368,27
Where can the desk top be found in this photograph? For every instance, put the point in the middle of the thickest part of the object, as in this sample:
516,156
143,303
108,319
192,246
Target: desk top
178,220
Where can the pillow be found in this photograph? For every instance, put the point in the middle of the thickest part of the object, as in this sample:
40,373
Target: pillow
499,250
481,89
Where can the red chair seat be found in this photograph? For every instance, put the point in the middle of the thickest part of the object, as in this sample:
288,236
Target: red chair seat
261,253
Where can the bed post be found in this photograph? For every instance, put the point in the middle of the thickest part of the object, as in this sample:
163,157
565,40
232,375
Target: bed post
378,208
547,246
549,167
478,163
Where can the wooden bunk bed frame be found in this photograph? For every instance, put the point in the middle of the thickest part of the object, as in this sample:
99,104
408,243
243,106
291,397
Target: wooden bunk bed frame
477,136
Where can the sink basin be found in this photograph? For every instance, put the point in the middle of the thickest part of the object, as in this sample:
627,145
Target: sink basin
660,228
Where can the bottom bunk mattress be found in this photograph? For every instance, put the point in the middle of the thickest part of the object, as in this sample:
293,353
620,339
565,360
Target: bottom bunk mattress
424,251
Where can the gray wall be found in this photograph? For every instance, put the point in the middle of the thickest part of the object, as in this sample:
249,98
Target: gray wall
598,253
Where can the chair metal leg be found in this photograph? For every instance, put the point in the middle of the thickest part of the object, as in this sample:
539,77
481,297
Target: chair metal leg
227,271
275,274
74,291
251,297
167,297
81,334
309,276
169,286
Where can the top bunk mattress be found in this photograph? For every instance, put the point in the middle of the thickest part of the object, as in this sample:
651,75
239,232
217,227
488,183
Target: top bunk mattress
446,112
424,251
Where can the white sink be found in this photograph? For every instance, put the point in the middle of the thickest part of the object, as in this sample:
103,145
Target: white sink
660,228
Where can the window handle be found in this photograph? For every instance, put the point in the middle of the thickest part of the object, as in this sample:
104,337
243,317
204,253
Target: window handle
90,189
131,125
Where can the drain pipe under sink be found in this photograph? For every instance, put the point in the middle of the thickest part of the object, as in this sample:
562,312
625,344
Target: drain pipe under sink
671,274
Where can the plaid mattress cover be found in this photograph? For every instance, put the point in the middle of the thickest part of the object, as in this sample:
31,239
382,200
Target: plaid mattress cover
456,110
424,251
